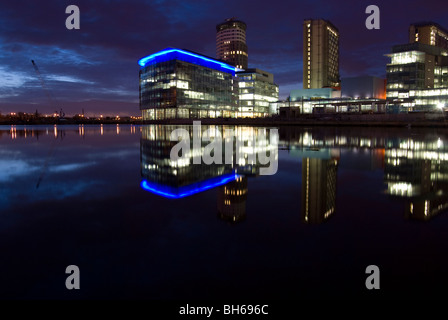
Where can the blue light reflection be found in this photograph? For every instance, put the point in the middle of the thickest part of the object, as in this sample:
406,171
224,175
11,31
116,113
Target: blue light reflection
185,191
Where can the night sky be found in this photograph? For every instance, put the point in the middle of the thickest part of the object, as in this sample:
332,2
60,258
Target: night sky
96,68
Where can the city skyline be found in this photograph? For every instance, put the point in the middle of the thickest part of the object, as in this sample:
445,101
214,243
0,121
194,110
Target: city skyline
94,68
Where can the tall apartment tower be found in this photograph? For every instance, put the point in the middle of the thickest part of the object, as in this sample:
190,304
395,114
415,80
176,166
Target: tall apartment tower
320,54
231,44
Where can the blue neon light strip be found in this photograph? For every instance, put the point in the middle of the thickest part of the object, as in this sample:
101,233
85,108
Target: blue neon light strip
178,54
185,191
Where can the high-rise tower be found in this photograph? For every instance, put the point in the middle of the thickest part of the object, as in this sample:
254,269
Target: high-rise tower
320,54
231,44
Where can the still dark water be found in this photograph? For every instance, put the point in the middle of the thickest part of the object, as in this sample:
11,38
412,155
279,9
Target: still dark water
342,199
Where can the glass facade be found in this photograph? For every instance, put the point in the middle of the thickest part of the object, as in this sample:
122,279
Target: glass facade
257,91
417,77
406,71
180,84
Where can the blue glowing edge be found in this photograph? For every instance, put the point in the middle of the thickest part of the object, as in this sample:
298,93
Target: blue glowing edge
143,61
185,191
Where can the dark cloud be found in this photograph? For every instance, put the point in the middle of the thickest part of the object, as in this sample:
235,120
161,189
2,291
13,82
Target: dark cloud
99,61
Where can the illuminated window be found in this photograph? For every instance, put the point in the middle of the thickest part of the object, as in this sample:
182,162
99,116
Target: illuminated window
407,57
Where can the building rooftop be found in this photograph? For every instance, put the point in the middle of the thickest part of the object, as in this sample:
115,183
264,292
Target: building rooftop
168,54
327,21
418,46
255,70
229,21
429,23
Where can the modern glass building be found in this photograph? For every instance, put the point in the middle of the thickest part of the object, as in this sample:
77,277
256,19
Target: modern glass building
417,77
177,83
256,91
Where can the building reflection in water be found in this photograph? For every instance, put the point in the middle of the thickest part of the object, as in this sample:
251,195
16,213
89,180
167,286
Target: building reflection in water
177,179
232,200
417,171
415,167
182,178
318,189
319,177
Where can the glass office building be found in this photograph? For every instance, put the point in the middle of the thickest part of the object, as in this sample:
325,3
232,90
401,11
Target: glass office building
177,83
417,77
257,91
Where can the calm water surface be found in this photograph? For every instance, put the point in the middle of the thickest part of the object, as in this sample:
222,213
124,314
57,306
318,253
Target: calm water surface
108,199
